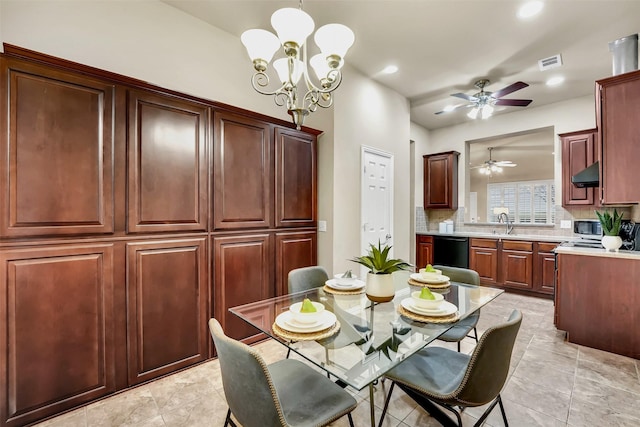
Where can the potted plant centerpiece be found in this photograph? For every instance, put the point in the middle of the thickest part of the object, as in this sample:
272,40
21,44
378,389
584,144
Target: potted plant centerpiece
610,229
380,286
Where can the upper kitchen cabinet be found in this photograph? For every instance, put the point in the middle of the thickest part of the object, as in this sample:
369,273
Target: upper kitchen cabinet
579,150
242,171
166,163
56,152
441,180
296,177
617,112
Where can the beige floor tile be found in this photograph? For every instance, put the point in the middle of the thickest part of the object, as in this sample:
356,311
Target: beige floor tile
539,398
595,403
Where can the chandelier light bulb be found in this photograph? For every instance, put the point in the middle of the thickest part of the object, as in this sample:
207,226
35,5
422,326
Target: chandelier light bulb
487,111
334,39
292,25
320,66
473,113
260,44
282,68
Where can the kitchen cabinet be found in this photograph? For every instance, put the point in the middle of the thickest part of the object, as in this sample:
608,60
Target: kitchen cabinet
441,180
167,301
242,267
294,249
424,250
242,171
579,150
166,163
483,258
516,261
57,346
617,112
56,152
544,268
598,302
296,178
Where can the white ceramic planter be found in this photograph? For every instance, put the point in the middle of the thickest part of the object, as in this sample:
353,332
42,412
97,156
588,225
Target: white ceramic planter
611,243
380,287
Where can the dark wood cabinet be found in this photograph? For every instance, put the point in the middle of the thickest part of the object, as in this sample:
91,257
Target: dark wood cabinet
57,339
579,150
294,249
597,302
617,112
56,152
483,258
167,303
441,180
167,163
241,274
242,165
424,250
544,270
516,261
296,178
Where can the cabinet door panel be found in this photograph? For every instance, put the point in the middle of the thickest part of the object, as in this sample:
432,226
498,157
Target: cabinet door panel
167,306
57,348
296,176
441,180
546,272
242,274
485,262
57,152
293,250
242,171
424,251
578,152
167,164
517,268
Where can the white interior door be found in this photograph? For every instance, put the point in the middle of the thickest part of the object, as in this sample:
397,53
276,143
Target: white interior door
376,199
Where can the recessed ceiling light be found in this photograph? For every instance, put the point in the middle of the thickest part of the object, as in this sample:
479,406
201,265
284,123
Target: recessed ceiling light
390,69
530,9
555,81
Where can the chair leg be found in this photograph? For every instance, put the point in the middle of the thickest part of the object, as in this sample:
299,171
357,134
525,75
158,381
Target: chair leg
350,419
486,413
228,420
504,414
288,352
386,403
475,334
458,346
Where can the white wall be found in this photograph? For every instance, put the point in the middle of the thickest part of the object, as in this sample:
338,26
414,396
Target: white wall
421,137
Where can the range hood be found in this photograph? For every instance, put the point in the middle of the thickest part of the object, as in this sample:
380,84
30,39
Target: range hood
590,177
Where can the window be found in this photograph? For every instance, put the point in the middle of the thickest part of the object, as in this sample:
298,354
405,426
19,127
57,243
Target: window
530,202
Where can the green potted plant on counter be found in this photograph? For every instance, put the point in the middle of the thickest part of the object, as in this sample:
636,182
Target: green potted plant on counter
380,286
610,229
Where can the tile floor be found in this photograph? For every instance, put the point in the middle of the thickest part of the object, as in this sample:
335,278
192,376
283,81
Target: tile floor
551,383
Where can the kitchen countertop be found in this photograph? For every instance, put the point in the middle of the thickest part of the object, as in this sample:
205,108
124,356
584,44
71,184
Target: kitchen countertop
571,250
477,234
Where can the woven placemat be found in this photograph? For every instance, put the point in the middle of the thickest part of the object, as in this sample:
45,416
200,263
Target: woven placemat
307,336
330,290
444,285
428,319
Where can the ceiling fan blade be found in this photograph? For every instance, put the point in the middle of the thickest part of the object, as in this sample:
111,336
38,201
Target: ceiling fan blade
465,96
509,89
506,165
514,102
452,109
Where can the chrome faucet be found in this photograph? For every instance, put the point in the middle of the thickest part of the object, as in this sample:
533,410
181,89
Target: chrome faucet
503,217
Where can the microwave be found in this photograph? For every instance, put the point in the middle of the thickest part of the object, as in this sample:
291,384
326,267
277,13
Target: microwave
587,229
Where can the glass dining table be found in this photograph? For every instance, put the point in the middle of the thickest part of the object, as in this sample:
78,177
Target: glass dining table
368,339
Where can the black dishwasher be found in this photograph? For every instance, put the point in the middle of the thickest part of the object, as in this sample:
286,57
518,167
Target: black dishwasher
451,251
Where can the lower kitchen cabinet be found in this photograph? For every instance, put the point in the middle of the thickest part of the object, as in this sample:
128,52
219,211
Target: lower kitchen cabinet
166,306
517,264
293,250
57,340
544,269
424,250
241,274
483,258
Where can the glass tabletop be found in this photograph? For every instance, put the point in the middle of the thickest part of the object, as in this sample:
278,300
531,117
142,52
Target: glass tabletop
372,337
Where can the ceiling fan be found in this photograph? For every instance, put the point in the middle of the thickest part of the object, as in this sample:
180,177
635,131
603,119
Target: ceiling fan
484,101
490,166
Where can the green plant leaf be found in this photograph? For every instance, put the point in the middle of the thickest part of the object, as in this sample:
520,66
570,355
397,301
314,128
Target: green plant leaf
378,262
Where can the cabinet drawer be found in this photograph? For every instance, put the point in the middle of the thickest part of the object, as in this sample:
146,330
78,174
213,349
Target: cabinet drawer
425,239
546,247
484,243
517,245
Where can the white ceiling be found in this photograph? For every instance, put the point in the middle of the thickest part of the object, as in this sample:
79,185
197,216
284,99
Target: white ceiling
444,46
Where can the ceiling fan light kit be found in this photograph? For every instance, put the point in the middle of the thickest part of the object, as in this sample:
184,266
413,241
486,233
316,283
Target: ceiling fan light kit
494,166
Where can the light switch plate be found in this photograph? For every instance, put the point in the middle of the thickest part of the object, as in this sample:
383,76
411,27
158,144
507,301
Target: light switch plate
322,225
565,223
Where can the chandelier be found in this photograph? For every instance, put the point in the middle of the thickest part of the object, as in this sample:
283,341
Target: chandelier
293,26
490,169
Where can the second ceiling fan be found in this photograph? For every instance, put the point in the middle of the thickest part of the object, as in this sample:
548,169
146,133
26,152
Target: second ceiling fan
483,102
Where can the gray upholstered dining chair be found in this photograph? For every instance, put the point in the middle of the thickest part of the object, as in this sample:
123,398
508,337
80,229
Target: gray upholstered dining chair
453,379
284,393
466,325
305,278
